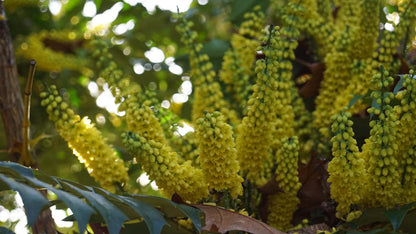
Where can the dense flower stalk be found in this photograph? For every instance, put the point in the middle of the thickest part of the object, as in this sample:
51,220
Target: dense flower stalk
187,147
367,29
336,76
48,59
218,157
254,137
141,119
208,95
119,84
318,27
164,166
346,170
384,182
284,204
406,137
86,141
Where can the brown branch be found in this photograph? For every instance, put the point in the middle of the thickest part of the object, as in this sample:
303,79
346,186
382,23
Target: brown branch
26,157
11,104
12,114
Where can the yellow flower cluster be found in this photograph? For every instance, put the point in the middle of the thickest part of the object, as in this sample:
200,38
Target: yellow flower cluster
284,204
233,74
318,27
238,62
187,147
246,42
285,89
254,138
86,141
366,30
346,169
406,137
49,59
141,119
383,173
164,166
348,14
338,66
119,84
208,95
147,142
348,75
218,157
384,180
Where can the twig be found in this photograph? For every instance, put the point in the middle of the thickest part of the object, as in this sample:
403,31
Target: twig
26,158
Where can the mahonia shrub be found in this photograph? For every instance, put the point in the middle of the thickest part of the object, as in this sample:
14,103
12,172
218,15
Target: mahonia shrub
260,119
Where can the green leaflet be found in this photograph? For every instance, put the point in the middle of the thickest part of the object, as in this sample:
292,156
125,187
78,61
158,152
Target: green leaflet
81,210
396,215
33,200
90,204
113,217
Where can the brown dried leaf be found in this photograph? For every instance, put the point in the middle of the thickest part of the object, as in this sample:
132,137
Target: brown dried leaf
313,176
315,188
220,220
311,88
271,187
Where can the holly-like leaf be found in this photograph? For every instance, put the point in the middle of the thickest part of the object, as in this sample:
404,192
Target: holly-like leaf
354,99
172,209
113,217
220,220
100,205
369,216
396,215
81,210
33,200
399,84
24,171
4,230
408,224
152,217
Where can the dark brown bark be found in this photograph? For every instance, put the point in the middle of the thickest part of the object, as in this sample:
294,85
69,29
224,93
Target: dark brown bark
11,103
12,111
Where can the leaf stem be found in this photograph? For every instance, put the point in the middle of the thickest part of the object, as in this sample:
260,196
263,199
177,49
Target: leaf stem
26,157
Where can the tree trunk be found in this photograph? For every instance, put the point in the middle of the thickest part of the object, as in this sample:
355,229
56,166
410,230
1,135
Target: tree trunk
11,103
11,110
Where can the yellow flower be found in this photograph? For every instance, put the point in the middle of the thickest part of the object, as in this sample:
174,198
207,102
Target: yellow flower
346,170
86,141
163,165
207,92
284,204
47,58
218,157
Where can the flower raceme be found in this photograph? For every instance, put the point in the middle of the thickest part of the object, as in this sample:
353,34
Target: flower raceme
163,165
85,140
218,157
346,170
